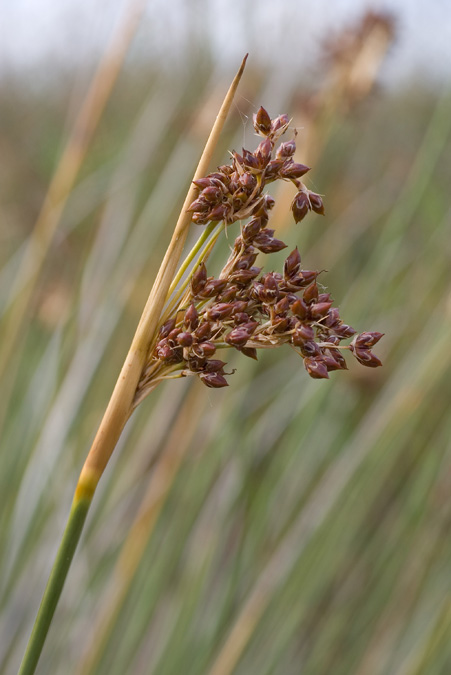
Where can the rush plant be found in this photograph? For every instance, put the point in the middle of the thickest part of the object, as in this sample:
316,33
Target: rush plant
190,316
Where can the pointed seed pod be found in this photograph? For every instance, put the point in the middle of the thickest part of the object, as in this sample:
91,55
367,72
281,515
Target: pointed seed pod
303,333
203,332
167,327
316,203
319,309
299,309
292,263
262,122
311,293
366,357
191,317
263,152
213,380
198,279
300,206
367,339
292,170
185,339
214,366
316,368
219,311
205,349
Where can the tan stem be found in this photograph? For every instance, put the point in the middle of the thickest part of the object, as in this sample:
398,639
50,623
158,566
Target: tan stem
120,404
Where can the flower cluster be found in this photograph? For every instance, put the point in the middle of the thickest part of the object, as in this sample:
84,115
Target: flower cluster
244,308
235,191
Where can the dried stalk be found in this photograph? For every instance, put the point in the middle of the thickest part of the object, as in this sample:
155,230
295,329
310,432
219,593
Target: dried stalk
121,402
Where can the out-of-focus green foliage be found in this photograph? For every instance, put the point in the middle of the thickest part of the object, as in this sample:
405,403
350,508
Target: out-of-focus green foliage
312,517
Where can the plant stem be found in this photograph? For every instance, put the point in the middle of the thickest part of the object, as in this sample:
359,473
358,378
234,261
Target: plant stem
71,536
121,402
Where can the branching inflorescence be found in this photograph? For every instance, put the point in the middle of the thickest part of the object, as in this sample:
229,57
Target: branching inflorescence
243,308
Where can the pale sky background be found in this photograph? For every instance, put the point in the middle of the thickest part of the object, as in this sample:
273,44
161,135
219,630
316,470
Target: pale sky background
40,35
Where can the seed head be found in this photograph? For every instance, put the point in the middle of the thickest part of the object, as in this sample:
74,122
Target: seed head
243,308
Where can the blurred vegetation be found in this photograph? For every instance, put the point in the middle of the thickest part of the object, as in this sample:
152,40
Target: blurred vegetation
283,525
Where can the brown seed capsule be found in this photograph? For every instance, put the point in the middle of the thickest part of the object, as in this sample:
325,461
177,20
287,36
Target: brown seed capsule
270,291
316,368
246,261
196,363
167,327
286,150
213,380
330,363
206,349
191,317
219,311
310,348
229,294
202,183
212,288
311,293
199,218
272,169
214,366
262,122
299,308
293,170
240,335
239,306
248,182
241,317
303,333
344,331
272,246
308,276
333,318
338,358
279,125
185,339
282,306
220,212
198,279
172,337
211,194
203,332
263,152
319,309
316,203
251,229
367,339
366,357
249,160
300,206
268,202
244,277
292,263
167,353
199,205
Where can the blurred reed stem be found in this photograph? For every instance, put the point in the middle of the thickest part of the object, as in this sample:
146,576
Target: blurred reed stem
58,193
120,405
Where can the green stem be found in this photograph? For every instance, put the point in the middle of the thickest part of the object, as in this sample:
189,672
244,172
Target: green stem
203,237
208,238
71,536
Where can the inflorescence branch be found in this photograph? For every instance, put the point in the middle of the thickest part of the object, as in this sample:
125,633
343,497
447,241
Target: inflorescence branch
243,308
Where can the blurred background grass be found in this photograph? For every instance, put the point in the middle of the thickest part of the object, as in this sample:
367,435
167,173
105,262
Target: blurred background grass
283,525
